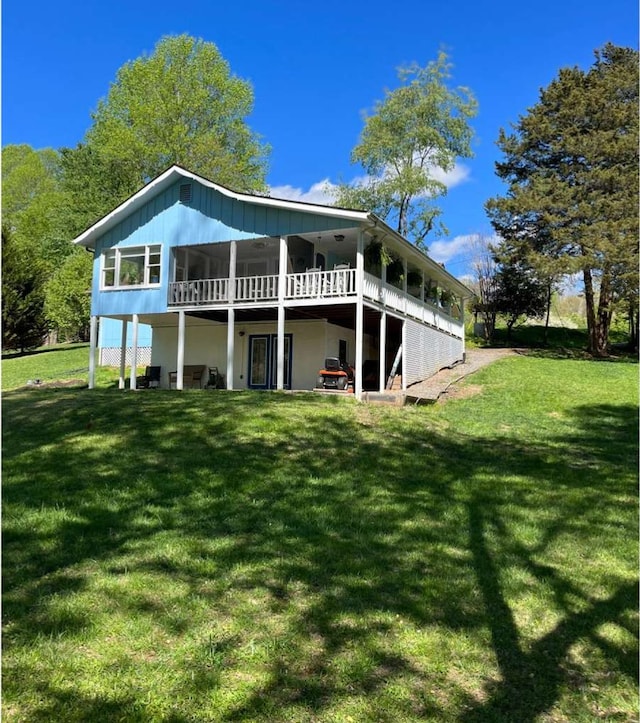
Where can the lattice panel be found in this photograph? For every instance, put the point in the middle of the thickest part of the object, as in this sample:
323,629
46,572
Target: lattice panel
429,350
110,356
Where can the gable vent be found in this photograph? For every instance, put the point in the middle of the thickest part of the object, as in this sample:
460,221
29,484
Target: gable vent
185,193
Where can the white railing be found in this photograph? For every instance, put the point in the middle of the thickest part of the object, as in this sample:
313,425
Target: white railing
257,288
321,284
396,300
340,283
200,291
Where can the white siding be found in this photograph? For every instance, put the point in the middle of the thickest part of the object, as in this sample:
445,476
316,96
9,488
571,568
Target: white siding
206,343
428,351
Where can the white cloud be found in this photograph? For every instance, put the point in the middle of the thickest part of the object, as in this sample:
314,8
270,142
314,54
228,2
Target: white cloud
459,174
444,251
320,192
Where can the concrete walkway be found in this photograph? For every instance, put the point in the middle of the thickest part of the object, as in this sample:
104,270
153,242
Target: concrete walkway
430,390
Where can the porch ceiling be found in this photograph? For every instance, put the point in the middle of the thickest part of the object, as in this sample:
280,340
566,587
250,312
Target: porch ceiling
339,314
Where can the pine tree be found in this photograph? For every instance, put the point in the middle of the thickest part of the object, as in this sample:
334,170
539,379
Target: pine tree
572,170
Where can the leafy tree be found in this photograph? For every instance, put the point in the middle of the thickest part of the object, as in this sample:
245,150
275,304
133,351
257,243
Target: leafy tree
68,299
528,261
94,184
181,105
418,130
485,271
520,293
24,325
572,170
33,201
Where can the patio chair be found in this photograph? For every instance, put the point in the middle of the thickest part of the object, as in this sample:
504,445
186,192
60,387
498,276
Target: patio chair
216,380
150,379
340,280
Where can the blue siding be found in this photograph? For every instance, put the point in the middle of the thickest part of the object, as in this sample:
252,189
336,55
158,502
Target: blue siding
111,333
211,217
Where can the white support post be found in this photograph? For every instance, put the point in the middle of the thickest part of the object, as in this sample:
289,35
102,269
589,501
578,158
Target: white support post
405,285
383,351
359,315
231,296
231,317
404,355
464,336
422,287
123,355
93,342
134,353
180,359
282,280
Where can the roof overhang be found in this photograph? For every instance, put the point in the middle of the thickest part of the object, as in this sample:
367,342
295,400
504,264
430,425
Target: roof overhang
177,173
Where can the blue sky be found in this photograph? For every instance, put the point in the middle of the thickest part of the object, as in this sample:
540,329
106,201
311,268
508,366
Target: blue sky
314,69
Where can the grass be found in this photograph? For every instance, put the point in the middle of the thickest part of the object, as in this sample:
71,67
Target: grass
62,364
213,556
561,341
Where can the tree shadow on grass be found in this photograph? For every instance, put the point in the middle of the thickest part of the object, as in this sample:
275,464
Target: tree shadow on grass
531,679
322,535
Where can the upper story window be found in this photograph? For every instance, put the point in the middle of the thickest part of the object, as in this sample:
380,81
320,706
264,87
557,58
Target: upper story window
131,266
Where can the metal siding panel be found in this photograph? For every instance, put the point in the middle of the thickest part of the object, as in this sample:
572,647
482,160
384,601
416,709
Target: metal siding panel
260,218
249,221
428,351
131,301
110,333
237,214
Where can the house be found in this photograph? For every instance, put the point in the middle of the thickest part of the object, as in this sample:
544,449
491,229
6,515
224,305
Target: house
265,289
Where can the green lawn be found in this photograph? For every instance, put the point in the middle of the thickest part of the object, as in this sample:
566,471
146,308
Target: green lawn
61,363
214,556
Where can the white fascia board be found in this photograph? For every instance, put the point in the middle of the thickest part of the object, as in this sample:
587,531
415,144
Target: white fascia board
175,172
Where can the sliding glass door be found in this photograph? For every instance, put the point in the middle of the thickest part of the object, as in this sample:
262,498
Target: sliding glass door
263,361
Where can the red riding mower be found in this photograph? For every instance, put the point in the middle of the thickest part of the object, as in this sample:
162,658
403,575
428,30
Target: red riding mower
335,375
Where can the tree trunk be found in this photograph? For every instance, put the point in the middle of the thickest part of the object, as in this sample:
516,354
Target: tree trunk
545,338
590,309
633,327
598,320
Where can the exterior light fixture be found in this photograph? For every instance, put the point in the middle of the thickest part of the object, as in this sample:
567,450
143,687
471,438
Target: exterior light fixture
339,238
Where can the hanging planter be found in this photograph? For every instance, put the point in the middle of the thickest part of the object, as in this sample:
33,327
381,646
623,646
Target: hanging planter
376,256
395,271
414,279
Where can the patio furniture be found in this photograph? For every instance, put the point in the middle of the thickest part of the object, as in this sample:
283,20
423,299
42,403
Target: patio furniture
150,379
192,375
215,380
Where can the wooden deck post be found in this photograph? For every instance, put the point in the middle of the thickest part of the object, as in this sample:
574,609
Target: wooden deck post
133,371
382,382
231,316
404,356
123,355
180,360
93,340
282,280
231,325
359,315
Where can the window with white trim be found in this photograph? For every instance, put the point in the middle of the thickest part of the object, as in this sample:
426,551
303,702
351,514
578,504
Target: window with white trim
125,267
